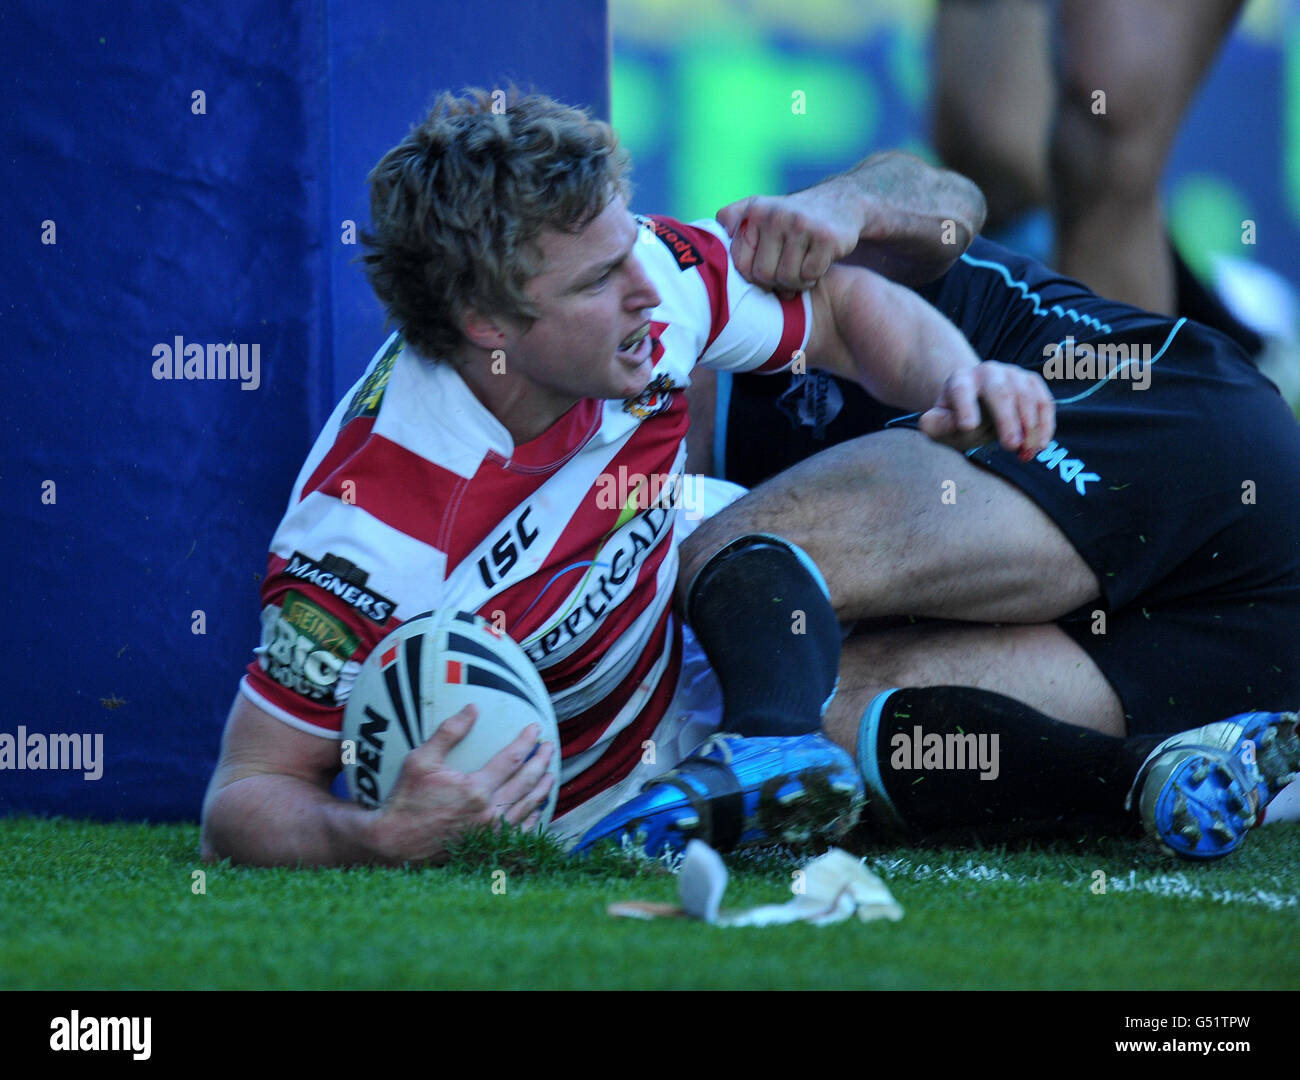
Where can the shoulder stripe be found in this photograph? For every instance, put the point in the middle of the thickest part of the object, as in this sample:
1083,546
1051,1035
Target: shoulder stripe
1034,298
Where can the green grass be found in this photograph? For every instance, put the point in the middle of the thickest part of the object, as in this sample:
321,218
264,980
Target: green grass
96,906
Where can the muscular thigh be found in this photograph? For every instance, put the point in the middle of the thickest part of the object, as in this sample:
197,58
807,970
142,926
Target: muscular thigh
900,525
1039,665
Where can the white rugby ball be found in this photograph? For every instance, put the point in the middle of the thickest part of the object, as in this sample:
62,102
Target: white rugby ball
426,670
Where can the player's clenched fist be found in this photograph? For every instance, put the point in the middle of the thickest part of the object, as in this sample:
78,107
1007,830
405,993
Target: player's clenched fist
993,400
432,803
788,242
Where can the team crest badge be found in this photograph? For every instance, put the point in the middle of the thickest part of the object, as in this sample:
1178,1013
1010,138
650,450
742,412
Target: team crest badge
653,400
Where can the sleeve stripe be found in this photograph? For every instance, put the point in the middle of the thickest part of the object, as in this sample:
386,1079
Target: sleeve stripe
793,337
717,265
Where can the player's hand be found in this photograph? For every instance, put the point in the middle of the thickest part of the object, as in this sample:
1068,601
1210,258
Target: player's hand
787,242
993,400
431,803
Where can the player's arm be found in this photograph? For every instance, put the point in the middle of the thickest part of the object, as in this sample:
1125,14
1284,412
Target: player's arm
269,801
906,354
891,213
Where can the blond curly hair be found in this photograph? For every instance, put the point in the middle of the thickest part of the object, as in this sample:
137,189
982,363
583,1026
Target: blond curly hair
458,205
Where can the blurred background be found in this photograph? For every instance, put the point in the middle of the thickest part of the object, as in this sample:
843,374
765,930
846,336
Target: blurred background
702,98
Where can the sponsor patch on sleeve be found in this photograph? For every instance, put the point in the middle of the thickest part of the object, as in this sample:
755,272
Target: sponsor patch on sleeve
308,650
676,241
339,577
370,394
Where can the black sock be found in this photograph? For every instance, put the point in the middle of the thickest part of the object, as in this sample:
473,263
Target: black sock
760,612
935,746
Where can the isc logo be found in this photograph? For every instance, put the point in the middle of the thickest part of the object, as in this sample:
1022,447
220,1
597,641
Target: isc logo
505,550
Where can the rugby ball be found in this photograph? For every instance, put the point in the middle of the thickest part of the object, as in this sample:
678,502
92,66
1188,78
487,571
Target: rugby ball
426,670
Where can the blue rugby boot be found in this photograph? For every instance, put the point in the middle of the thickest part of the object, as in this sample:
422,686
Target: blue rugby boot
1203,790
736,792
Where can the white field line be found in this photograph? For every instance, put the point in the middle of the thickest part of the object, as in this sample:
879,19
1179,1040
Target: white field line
1179,885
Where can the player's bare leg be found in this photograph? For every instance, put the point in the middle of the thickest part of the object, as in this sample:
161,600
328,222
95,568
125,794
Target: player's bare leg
1107,153
1039,665
901,525
993,99
1022,705
1027,705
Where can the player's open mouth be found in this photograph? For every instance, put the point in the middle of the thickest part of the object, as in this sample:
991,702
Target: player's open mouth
635,348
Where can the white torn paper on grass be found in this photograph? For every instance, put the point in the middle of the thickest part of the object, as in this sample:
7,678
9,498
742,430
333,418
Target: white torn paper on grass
833,887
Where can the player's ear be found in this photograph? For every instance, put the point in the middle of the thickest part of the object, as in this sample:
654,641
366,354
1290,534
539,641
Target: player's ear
485,331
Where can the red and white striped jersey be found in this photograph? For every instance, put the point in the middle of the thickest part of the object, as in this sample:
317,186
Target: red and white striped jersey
415,498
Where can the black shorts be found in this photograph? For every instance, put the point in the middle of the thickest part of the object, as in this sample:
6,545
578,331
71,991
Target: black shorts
1183,496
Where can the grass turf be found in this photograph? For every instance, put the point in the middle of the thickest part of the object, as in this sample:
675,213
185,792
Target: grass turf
114,906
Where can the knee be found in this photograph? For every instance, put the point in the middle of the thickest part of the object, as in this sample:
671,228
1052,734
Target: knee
1108,143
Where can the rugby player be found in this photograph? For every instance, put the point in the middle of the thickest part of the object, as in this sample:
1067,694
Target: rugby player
544,338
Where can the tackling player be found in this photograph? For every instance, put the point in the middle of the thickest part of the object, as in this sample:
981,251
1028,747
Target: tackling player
1137,577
